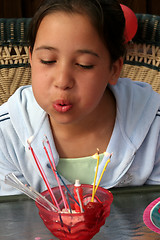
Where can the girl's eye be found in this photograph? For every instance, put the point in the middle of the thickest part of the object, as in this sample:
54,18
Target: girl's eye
85,66
47,62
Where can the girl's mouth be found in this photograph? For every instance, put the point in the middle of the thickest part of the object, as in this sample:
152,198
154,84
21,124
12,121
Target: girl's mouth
62,106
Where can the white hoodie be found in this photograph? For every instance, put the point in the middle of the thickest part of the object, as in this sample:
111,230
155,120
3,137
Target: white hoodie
135,140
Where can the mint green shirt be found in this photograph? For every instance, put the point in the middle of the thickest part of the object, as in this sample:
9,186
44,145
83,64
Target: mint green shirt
78,168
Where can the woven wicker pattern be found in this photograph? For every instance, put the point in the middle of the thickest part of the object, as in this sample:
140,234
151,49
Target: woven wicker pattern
14,56
11,79
142,61
143,74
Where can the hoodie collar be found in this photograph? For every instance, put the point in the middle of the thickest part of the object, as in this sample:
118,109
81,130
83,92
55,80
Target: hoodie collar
135,113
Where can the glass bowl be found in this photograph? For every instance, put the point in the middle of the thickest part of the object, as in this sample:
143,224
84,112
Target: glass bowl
81,226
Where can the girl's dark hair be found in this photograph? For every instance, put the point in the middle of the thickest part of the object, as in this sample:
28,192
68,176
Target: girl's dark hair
106,16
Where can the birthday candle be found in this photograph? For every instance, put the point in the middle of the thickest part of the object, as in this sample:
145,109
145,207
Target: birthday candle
53,166
96,156
56,172
68,191
43,174
104,169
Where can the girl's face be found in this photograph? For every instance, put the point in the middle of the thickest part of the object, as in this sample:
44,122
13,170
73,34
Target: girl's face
71,68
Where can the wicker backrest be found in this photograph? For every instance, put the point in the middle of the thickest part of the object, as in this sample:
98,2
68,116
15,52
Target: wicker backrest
142,61
14,62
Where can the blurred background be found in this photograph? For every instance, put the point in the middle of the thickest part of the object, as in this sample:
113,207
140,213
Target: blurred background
26,8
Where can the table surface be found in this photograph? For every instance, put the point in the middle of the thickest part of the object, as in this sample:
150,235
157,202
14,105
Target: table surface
19,218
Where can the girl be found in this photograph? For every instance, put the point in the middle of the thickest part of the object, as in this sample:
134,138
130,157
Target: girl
79,102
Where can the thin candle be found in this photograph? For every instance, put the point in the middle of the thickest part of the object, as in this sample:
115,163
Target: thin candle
66,193
96,156
53,166
104,169
67,188
55,171
43,175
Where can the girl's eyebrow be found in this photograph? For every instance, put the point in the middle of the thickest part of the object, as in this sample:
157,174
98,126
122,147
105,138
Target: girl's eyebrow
87,51
82,51
44,47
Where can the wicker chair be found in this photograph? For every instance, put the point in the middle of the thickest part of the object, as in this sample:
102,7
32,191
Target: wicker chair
14,62
142,60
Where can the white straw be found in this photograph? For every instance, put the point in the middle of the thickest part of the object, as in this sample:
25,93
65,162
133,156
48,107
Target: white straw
13,181
79,199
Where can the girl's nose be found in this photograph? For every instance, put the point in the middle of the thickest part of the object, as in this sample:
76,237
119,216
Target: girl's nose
64,78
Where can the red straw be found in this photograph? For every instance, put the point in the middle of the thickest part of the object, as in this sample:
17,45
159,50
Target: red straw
53,166
44,177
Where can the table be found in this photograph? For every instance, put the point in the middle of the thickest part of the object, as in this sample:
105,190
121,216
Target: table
19,218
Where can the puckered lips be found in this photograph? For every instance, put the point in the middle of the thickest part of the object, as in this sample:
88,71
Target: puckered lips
62,106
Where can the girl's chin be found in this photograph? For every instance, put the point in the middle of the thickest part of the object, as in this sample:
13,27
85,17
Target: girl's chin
63,120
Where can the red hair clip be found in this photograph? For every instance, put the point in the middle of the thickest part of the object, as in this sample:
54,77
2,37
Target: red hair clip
131,23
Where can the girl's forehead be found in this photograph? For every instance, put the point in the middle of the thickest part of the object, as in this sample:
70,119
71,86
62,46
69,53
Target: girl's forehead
56,16
61,22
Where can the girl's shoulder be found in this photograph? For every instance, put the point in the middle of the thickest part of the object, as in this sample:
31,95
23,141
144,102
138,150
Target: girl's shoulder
13,104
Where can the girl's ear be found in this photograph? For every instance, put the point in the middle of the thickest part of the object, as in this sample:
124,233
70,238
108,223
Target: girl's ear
30,55
116,70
